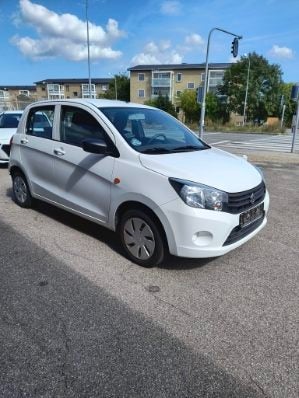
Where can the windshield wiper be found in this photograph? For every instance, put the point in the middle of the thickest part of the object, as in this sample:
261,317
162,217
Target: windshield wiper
188,148
157,150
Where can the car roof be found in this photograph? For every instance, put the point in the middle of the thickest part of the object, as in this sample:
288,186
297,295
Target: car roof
11,112
98,103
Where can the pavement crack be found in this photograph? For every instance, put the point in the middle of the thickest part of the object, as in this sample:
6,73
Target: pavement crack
172,305
260,388
70,252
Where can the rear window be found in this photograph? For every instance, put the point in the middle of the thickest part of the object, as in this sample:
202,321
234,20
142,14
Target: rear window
9,120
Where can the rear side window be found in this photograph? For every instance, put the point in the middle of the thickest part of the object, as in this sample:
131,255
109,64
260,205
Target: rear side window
77,125
40,122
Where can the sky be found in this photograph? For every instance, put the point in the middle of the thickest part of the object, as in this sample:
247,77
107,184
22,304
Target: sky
44,39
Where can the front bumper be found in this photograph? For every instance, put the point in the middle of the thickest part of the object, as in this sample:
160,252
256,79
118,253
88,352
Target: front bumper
199,233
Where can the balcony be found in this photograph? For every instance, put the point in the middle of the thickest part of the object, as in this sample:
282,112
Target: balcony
161,82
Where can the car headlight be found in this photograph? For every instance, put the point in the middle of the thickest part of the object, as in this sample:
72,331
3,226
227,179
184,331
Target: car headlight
199,195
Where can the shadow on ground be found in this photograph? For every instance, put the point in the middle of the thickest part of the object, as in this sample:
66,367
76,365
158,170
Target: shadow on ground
62,336
105,235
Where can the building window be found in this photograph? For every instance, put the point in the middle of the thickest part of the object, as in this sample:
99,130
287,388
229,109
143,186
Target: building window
215,79
178,93
179,77
85,91
4,94
55,91
141,77
141,93
190,85
104,87
75,94
43,88
67,88
24,92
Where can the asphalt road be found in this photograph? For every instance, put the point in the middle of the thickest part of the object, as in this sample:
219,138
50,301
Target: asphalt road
79,320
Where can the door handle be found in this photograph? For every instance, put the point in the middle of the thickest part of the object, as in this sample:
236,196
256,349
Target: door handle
24,141
59,151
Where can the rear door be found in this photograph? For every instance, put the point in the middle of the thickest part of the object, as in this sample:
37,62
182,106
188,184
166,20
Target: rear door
83,180
36,149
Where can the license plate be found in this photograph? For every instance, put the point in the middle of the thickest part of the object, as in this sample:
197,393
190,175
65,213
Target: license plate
251,215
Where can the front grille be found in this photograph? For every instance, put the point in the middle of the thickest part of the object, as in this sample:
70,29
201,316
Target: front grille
239,233
241,201
6,149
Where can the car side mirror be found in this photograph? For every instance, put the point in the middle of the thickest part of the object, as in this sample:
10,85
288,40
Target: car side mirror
98,146
94,146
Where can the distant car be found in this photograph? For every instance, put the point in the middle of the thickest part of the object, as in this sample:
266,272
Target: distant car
138,171
9,121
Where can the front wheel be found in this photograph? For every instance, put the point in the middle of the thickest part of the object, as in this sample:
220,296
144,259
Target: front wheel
21,190
141,238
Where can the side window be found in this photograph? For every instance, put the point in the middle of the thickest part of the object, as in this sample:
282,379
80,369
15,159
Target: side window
40,122
77,125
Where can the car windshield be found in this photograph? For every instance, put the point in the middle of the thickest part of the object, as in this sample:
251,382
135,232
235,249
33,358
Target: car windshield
9,120
152,131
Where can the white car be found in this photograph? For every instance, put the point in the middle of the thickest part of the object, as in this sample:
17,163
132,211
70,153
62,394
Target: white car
9,121
140,172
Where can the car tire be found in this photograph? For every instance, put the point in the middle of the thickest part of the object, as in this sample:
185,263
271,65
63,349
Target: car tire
20,188
141,238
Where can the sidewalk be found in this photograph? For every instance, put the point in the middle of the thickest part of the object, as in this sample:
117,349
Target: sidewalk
281,158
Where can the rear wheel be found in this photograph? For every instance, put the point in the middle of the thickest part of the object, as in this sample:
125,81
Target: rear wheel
21,190
141,238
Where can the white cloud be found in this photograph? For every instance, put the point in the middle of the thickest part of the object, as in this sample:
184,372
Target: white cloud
194,40
281,52
171,7
157,53
65,35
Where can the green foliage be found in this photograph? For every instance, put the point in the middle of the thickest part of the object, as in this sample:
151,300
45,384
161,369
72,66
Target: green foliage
216,108
190,106
265,81
290,110
122,86
162,102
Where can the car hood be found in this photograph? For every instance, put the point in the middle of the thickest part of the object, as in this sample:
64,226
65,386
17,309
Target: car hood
211,167
6,134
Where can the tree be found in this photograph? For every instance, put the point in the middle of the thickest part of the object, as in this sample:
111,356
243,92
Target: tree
265,80
162,102
290,110
122,86
190,106
216,108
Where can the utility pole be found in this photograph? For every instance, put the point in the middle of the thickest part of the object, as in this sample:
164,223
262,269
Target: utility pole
88,48
295,97
203,105
246,92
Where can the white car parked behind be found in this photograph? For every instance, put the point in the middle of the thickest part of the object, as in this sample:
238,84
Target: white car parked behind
140,172
9,121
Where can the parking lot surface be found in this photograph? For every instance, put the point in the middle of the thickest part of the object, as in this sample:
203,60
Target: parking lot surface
80,320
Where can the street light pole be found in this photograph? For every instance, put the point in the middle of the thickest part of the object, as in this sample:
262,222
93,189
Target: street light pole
115,83
246,92
88,49
203,105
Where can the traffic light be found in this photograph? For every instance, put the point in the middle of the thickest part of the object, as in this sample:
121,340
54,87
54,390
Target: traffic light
235,47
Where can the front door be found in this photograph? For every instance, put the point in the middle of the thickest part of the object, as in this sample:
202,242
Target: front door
83,180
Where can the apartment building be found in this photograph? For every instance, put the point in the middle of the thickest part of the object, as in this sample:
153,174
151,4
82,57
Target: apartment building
71,88
148,81
16,97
